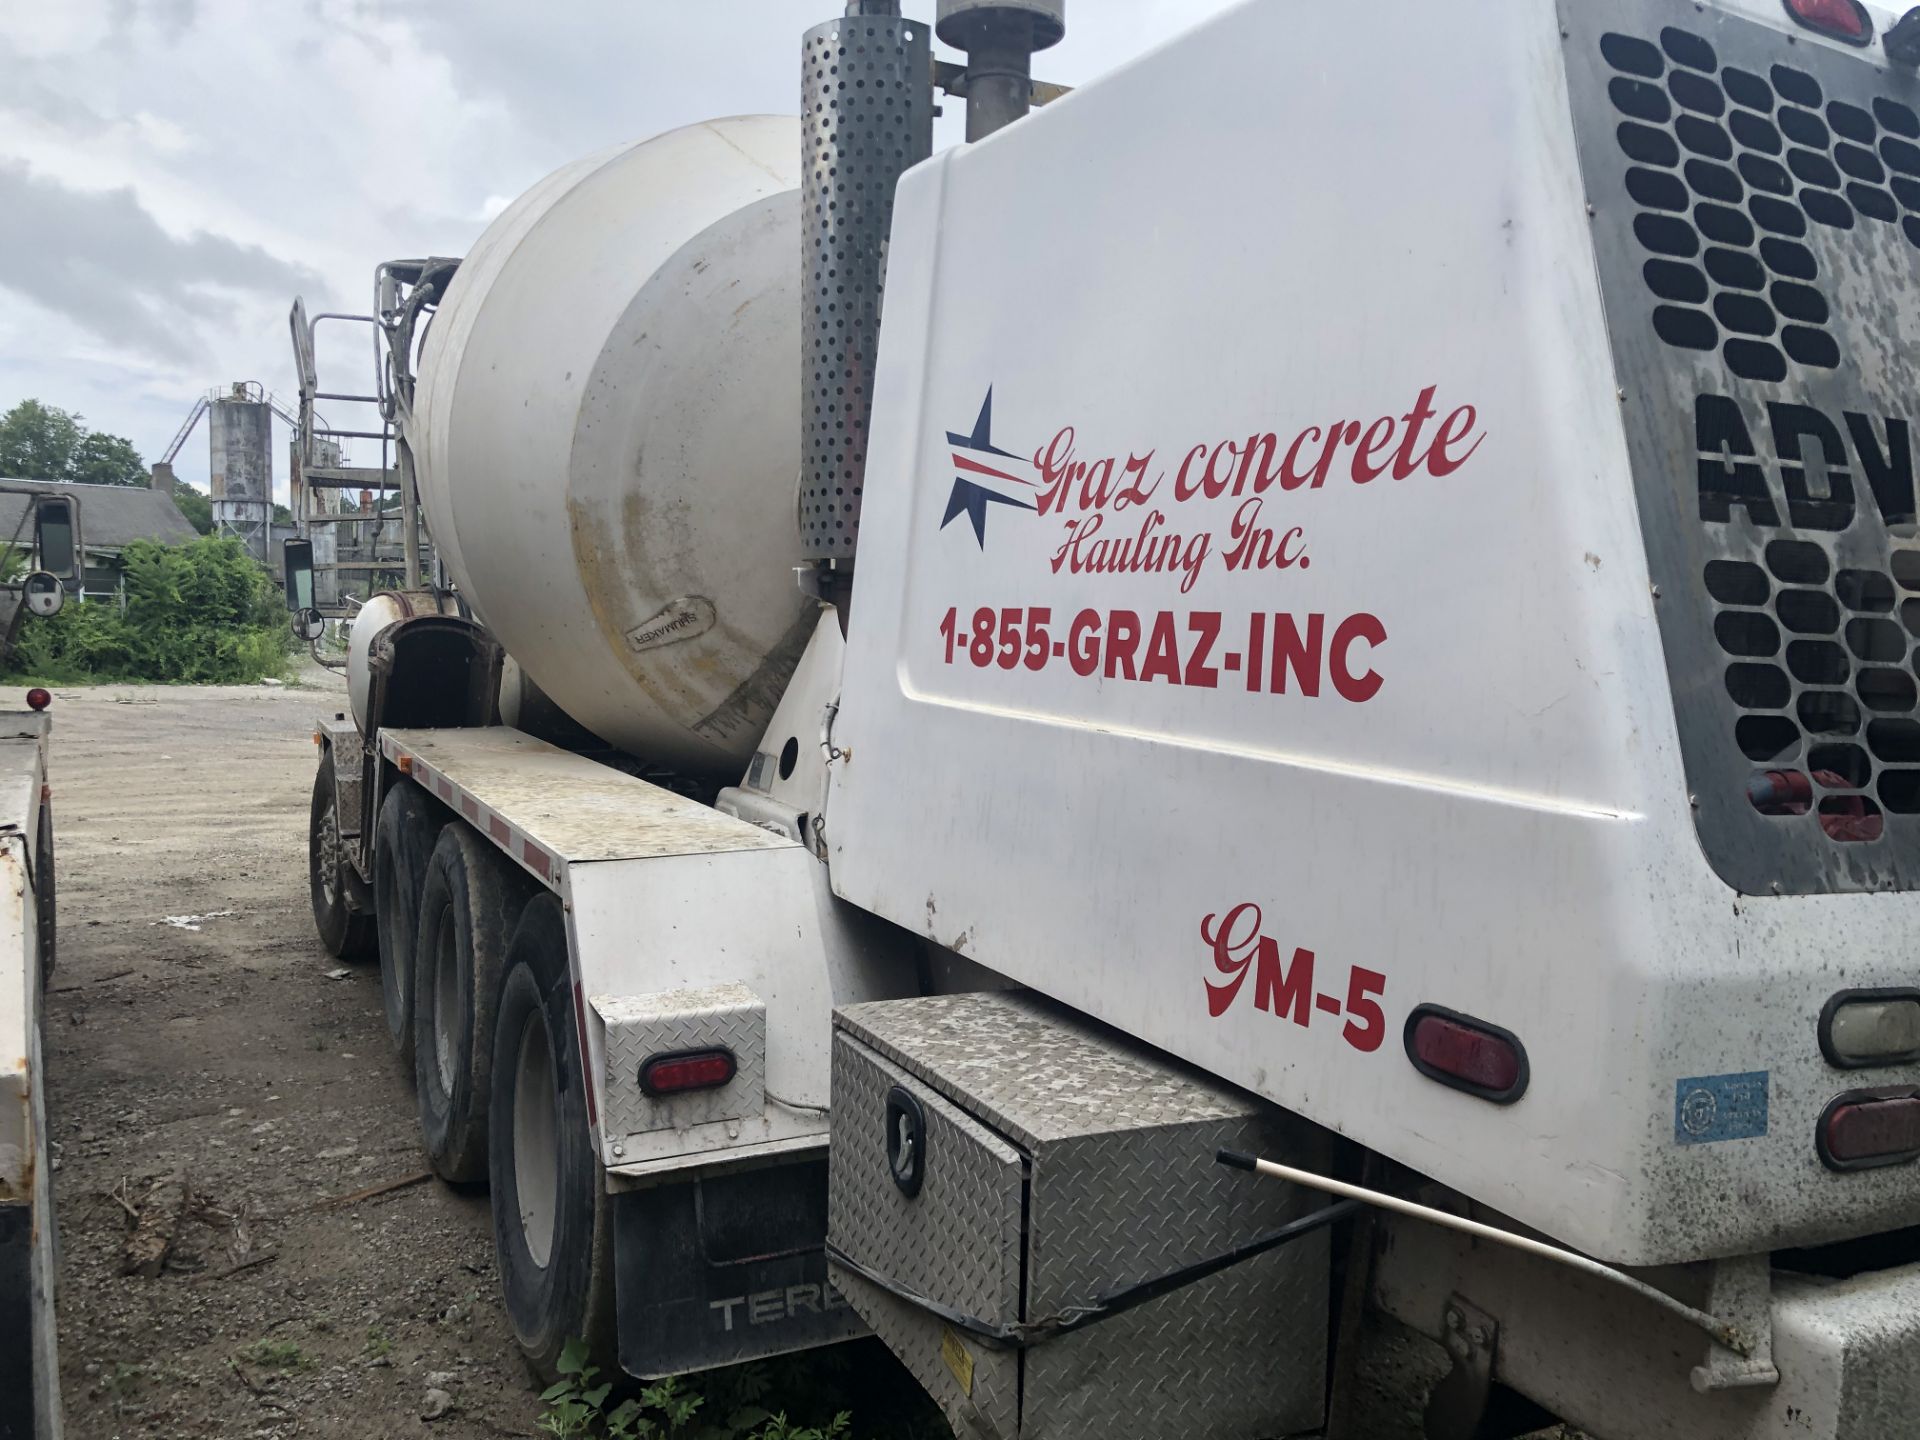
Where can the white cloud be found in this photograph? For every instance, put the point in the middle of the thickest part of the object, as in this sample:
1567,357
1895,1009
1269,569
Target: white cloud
322,136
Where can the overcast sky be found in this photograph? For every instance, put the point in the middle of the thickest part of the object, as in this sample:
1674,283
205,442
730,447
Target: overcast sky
173,172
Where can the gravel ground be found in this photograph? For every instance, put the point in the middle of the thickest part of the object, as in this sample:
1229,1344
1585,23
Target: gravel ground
196,1026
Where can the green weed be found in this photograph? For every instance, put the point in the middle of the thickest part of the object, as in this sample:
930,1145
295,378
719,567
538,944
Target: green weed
264,1354
577,1409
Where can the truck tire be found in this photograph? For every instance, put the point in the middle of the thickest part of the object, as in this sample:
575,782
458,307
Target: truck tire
346,932
551,1213
43,891
469,906
409,827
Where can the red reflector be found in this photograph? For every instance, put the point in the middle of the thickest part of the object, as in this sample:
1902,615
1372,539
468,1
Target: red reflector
38,699
1467,1054
1862,1131
1843,19
688,1070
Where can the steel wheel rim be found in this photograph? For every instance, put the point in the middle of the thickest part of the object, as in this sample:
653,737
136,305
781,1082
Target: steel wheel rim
536,1141
329,855
446,992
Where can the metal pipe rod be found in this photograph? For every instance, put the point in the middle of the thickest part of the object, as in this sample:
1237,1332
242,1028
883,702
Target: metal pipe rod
1723,1332
1000,76
409,515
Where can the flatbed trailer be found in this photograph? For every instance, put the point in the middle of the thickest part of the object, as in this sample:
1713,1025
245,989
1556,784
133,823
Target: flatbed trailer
29,1373
49,535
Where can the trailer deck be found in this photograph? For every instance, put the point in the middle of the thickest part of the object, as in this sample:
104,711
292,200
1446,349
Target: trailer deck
29,1374
549,808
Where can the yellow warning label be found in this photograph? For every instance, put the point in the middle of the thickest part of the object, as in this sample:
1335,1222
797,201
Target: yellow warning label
959,1361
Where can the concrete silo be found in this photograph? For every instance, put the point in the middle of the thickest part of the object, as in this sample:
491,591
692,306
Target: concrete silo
241,474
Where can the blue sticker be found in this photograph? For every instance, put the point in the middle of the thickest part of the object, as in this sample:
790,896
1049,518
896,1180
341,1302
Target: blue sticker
1720,1107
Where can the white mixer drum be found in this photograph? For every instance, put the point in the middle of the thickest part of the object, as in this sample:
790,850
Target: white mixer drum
607,437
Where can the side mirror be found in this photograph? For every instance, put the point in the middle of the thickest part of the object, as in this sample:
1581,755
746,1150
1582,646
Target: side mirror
297,561
309,625
43,594
56,536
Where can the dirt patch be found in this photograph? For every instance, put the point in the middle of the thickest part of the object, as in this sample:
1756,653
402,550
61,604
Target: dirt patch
193,1026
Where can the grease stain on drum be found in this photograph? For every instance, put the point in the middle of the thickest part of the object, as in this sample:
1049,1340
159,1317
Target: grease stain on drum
748,709
687,618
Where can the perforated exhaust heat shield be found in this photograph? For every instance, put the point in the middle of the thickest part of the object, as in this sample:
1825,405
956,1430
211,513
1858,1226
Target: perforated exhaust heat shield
867,115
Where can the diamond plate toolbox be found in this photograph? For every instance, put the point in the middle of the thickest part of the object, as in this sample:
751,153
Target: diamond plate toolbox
1058,1164
639,1027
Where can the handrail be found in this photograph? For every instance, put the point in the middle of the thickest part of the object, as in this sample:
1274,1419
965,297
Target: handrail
200,408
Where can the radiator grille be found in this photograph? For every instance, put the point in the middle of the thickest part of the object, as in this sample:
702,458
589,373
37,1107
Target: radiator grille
1757,224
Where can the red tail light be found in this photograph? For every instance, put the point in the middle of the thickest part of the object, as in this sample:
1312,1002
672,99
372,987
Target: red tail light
1866,1130
1467,1054
687,1070
1842,19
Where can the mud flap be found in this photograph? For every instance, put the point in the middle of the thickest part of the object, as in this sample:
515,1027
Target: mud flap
18,1398
723,1269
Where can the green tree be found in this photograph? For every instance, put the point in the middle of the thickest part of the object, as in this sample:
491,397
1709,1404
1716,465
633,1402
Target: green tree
204,613
43,442
38,442
197,507
106,460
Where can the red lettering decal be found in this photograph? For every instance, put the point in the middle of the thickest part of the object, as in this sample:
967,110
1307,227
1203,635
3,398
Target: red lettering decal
1336,437
1137,490
1083,642
1053,463
1215,482
1357,688
1266,447
1205,624
1163,652
1256,654
1368,1025
1291,476
1405,462
1233,939
1454,430
1286,992
1098,486
1123,638
1181,489
1298,656
1378,437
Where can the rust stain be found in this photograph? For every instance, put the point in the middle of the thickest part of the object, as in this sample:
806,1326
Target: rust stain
609,580
623,548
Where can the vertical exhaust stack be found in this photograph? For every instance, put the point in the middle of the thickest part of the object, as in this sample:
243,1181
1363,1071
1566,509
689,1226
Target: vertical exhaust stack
866,116
1001,37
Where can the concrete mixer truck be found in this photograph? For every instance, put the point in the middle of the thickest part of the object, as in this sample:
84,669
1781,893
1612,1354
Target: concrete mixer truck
1283,691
